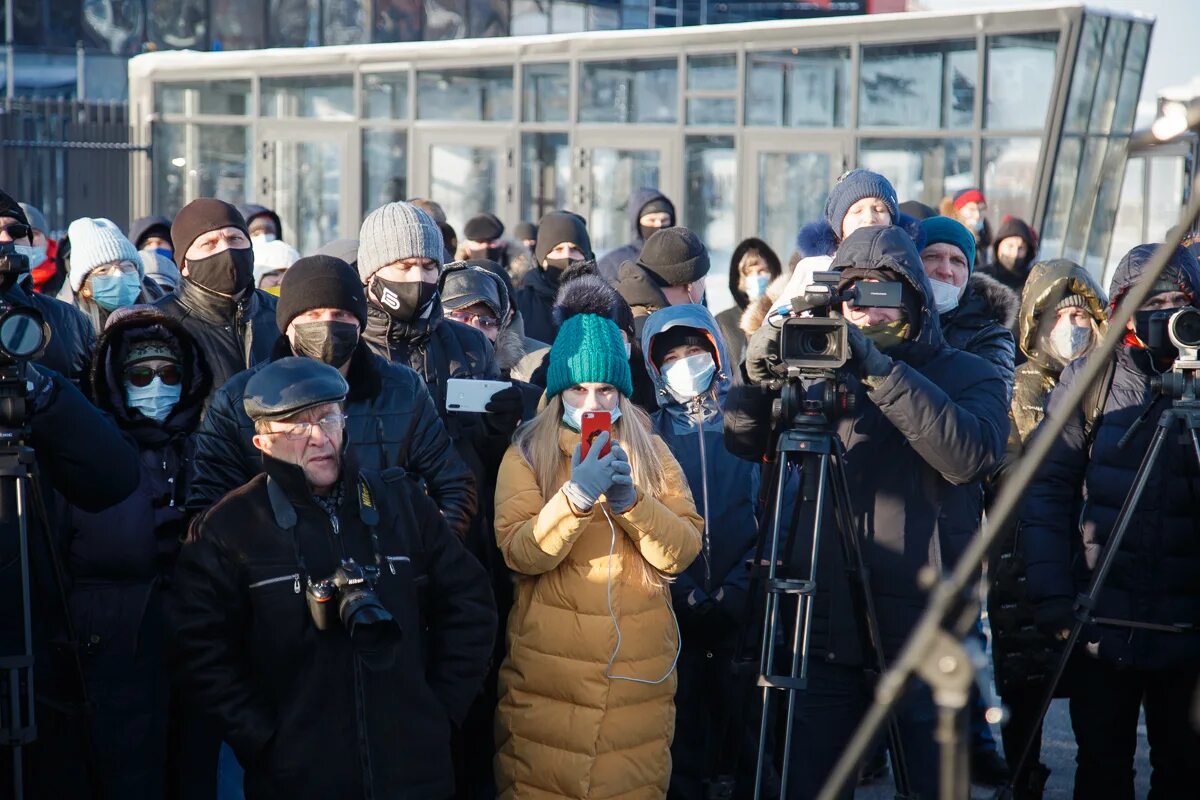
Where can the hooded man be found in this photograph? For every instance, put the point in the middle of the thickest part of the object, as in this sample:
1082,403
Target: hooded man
752,268
670,271
152,233
1146,652
926,417
42,265
1015,249
216,302
483,238
262,223
562,242
649,211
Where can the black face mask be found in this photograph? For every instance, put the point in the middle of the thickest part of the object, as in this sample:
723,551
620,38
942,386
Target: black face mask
1151,328
646,233
403,301
228,272
330,342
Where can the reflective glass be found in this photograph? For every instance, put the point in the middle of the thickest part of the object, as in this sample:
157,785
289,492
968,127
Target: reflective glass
294,23
1062,194
345,21
315,96
716,73
487,18
918,85
1168,182
545,174
1131,214
177,24
1131,78
1020,78
711,111
236,24
306,191
798,88
1109,80
1087,187
192,161
445,19
1009,174
710,205
921,169
635,14
105,77
203,97
567,16
464,180
546,94
792,188
384,167
396,21
529,17
113,28
604,16
485,94
1105,212
615,174
40,23
1083,79
629,91
385,95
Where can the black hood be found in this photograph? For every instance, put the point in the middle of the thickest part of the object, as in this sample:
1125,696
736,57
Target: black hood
250,211
1182,270
769,258
143,227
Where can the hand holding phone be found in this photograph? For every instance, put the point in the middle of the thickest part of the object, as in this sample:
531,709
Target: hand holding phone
465,394
595,422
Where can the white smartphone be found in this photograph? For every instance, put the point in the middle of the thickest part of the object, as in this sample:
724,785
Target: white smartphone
467,395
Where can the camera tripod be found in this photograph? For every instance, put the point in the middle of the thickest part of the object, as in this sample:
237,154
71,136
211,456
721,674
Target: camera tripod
1183,412
810,444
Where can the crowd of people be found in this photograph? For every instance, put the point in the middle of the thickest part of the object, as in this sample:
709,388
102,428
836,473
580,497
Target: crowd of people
290,568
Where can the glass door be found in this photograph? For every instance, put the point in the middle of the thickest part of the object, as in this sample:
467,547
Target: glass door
466,173
302,177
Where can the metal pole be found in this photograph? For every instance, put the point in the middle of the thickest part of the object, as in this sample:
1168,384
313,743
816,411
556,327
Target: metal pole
80,83
9,59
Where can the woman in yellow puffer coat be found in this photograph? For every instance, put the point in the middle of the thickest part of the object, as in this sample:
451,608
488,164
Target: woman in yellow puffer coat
587,689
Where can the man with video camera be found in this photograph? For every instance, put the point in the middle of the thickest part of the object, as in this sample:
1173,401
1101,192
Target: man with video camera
925,416
1146,651
324,614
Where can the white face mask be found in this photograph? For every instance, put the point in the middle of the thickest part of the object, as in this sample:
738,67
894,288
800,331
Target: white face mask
262,238
756,285
573,417
1068,341
690,377
946,295
35,253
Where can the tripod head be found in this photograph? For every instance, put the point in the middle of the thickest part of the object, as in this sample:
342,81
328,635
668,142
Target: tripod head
1183,381
795,408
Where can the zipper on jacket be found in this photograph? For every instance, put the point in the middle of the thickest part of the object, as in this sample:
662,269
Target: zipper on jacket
294,578
392,561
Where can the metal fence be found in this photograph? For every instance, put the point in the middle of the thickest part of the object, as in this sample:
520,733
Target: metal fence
68,158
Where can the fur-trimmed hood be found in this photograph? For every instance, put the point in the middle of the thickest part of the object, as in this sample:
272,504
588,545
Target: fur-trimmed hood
818,239
758,308
1001,301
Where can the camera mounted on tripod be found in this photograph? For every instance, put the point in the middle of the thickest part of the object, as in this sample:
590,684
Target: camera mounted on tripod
24,335
1182,328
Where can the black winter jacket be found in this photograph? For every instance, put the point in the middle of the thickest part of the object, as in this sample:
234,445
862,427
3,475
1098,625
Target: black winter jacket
1070,508
72,340
390,422
938,420
234,335
310,713
535,301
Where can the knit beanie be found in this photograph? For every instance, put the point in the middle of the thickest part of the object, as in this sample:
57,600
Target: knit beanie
659,205
525,230
320,282
197,218
483,228
11,208
588,349
1071,301
591,294
394,232
680,336
674,257
95,242
854,186
971,195
917,210
558,227
950,231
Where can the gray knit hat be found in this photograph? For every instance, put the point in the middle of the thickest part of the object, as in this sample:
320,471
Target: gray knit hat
94,243
393,232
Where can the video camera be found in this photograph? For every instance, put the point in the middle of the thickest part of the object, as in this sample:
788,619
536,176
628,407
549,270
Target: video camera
1182,328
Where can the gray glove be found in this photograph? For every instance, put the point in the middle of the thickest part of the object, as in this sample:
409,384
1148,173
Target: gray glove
872,364
622,494
591,476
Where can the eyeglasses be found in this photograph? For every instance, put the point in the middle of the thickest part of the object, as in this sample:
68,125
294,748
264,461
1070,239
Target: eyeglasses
467,318
117,268
298,431
17,230
141,376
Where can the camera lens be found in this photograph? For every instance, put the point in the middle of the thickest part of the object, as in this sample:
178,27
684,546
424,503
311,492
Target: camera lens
1185,327
815,343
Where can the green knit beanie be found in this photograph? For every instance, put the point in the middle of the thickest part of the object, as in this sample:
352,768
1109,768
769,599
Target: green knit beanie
588,349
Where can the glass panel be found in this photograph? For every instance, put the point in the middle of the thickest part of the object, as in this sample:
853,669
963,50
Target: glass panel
487,18
604,17
116,28
385,95
710,205
397,21
546,95
346,21
294,23
467,94
545,174
798,88
530,17
567,17
237,24
1083,80
792,188
711,111
1104,215
615,174
177,24
1131,78
918,85
712,73
463,179
1168,182
635,14
1086,189
192,161
921,169
384,167
1109,80
1009,175
316,96
629,91
445,19
203,97
1020,78
106,77
1131,213
46,24
1062,193
306,191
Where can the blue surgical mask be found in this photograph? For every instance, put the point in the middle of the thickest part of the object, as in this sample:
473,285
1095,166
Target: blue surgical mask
690,377
155,400
116,291
35,253
572,417
756,285
945,295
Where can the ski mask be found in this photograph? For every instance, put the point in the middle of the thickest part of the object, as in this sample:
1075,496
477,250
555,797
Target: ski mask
155,400
116,291
404,301
227,272
1068,341
330,342
572,417
689,377
946,295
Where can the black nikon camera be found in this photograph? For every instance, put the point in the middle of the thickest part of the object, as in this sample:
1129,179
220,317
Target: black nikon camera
358,607
819,344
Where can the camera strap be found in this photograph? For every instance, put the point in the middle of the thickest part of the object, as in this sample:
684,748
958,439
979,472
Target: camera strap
1095,400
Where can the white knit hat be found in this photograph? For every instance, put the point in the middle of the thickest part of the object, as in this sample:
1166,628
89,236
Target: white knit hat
271,256
94,243
394,232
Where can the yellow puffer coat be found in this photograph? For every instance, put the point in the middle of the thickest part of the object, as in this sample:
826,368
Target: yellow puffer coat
564,729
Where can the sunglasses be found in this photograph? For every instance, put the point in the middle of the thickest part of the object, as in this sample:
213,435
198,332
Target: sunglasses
17,230
142,376
491,323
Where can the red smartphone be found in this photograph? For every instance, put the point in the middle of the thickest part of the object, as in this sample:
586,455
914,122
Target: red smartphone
593,423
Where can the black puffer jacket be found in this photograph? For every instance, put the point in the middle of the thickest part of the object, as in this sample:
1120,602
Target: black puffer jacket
309,713
535,302
1070,508
391,422
234,335
937,420
72,340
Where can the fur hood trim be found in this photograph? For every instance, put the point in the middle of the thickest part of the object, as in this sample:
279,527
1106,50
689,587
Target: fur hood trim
756,313
1001,301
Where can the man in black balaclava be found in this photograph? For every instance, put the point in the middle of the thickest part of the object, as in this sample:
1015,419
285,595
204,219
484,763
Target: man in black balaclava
562,240
649,211
216,302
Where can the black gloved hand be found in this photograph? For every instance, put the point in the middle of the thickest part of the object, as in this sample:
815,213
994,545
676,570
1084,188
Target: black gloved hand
872,364
699,603
1055,617
41,386
506,407
762,355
